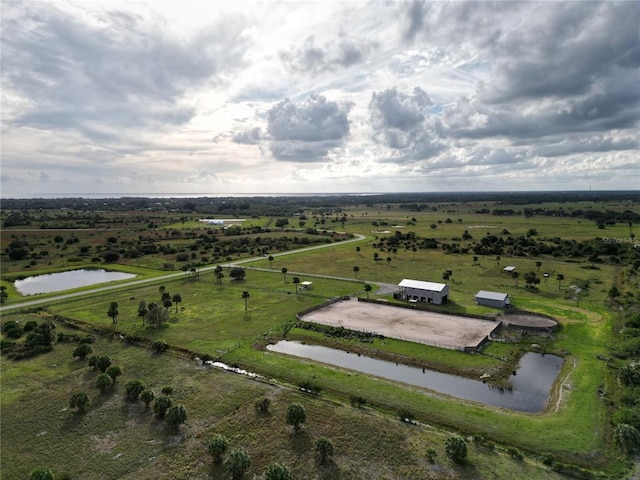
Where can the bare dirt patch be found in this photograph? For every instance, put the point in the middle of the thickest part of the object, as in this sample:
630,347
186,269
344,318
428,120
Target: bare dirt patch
429,328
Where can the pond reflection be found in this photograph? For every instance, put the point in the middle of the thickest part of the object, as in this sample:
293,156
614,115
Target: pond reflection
57,282
531,384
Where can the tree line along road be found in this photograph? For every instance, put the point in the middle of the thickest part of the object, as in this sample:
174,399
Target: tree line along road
169,276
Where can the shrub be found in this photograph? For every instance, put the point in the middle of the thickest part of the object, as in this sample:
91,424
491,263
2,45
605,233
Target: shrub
324,449
81,351
176,416
80,401
277,471
134,388
167,390
30,326
237,463
147,397
161,405
406,416
296,415
217,446
159,346
103,381
262,405
41,473
456,449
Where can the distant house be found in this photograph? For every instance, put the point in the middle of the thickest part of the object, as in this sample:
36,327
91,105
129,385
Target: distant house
492,299
418,291
509,269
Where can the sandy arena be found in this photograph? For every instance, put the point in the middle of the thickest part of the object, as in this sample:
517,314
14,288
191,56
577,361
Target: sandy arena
446,331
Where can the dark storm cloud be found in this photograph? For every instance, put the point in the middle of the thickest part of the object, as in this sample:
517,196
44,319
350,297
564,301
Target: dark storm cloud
399,122
313,58
306,131
552,68
116,71
579,47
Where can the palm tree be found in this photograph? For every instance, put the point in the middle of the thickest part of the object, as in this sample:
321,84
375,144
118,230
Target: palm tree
356,269
560,277
515,276
284,273
113,312
538,265
245,296
296,281
270,261
367,288
177,298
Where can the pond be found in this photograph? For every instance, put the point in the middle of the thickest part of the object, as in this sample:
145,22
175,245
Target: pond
531,384
57,282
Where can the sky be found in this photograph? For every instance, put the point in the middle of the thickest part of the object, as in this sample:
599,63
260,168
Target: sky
239,97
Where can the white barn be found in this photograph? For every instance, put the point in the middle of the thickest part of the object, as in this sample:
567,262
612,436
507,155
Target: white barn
492,299
418,291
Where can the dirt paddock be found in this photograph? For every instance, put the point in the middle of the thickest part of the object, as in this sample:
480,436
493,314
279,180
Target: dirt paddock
429,328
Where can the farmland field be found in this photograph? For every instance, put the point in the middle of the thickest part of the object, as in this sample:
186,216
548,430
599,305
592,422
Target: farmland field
213,314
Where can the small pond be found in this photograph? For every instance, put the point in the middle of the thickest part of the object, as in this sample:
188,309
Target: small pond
57,282
531,384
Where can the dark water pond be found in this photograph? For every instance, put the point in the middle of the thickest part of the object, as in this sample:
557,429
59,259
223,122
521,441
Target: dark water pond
57,282
531,384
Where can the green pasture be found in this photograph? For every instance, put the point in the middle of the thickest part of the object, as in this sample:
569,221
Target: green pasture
214,322
119,439
116,439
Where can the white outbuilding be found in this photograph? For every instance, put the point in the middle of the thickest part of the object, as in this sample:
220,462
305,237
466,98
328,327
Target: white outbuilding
492,299
419,291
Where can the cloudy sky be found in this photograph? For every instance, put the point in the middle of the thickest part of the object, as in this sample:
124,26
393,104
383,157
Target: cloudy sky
223,97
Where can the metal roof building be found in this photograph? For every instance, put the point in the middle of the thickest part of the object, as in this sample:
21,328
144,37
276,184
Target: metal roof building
419,291
492,299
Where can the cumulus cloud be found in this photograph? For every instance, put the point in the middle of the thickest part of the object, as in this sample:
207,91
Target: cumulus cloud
307,130
116,69
251,136
545,72
399,122
314,57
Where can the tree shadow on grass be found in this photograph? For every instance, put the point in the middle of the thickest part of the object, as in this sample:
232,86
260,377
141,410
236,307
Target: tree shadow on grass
301,442
328,470
466,469
217,471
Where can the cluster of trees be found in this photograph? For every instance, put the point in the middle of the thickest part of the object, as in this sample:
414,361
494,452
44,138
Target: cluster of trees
39,338
238,461
505,243
156,313
163,407
627,417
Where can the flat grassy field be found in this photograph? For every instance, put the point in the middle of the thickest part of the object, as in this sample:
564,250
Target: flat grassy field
120,439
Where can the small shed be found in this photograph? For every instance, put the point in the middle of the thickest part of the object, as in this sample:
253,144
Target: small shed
509,269
419,291
305,285
492,299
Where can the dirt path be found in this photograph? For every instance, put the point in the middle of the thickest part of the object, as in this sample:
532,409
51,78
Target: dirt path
562,384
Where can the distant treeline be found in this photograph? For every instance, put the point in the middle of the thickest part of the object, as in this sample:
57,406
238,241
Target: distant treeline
288,205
